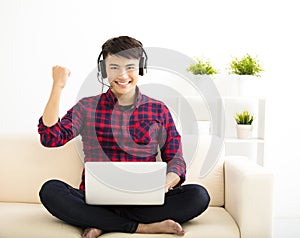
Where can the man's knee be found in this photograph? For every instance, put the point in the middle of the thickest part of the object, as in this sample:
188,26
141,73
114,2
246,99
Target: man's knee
201,197
48,190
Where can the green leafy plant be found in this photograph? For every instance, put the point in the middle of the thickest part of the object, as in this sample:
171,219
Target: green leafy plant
201,67
244,118
246,65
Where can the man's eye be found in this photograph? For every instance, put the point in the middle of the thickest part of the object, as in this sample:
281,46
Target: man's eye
113,67
131,68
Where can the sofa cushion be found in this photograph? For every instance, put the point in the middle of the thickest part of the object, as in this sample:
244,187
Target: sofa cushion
33,221
214,180
26,165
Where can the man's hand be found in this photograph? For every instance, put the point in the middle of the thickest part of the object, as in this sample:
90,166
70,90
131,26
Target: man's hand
60,75
172,180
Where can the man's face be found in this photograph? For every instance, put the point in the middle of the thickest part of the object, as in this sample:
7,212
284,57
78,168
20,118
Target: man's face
122,74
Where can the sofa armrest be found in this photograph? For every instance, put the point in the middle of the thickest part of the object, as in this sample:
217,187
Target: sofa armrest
249,196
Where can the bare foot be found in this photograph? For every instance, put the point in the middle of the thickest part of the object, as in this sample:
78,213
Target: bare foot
167,226
91,233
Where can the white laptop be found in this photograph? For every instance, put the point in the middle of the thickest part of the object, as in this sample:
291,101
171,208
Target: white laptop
125,183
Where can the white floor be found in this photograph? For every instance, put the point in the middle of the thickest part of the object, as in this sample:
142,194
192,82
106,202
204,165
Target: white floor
286,228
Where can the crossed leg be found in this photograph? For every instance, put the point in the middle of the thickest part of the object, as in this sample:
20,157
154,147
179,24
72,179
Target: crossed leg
96,220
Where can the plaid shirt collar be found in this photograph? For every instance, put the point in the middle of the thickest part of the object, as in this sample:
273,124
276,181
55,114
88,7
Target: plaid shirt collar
112,100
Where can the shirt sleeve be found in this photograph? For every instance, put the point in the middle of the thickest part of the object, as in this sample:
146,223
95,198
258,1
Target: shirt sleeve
64,130
171,146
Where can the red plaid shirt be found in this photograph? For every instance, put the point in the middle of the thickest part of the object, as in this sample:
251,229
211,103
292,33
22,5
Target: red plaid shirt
111,132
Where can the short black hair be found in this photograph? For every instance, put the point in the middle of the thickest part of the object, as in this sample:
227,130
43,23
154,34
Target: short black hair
124,46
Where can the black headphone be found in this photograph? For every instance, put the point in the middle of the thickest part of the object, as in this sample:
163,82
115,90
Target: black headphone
142,65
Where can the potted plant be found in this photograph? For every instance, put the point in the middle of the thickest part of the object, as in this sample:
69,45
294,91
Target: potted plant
243,124
203,71
247,69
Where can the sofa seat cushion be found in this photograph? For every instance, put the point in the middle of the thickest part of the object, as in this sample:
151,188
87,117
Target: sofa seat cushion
33,221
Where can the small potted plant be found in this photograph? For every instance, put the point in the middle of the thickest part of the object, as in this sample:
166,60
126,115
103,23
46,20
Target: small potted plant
203,71
244,124
201,67
247,69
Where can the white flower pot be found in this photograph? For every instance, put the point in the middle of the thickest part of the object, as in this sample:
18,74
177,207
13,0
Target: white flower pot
227,85
251,86
243,131
233,85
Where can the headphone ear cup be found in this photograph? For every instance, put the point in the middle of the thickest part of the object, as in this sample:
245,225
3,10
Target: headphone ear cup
141,66
103,69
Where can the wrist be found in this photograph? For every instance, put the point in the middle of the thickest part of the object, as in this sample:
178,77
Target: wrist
56,88
172,180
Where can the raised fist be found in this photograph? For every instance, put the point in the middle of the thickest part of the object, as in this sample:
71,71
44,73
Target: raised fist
60,75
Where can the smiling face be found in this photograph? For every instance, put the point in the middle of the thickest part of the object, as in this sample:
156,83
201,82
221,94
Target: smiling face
122,75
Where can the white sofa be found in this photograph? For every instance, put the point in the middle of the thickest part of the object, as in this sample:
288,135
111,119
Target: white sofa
241,193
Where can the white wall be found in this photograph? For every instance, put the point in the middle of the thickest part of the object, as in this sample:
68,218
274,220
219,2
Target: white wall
35,35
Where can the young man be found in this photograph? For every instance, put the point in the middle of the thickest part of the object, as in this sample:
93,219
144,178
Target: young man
99,120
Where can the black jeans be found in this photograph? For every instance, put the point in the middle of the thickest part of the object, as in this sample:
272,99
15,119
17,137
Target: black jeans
68,204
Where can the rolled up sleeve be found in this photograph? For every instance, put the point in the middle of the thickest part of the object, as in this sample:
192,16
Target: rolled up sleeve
171,147
64,130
